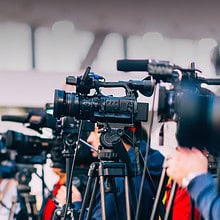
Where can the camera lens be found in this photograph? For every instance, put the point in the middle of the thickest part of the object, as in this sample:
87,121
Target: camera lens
59,103
65,104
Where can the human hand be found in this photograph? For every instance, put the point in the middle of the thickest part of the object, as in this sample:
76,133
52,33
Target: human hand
61,195
185,161
93,139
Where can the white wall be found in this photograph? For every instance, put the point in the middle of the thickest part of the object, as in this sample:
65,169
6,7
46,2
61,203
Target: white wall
35,89
29,89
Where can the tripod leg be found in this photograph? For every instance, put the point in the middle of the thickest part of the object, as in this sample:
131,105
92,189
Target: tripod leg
159,195
86,198
95,188
102,192
92,172
128,211
170,204
13,208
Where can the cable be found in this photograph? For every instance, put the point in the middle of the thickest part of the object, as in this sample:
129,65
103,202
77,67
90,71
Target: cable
69,187
145,160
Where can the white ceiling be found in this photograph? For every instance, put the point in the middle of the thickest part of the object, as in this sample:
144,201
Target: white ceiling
185,19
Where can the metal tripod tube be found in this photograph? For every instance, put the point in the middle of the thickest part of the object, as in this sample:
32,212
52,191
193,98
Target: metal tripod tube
128,211
102,192
13,208
91,173
170,203
192,204
95,188
162,183
69,162
86,197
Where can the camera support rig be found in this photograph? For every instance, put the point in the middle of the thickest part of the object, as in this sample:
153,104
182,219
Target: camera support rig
182,102
193,107
107,109
30,209
70,130
113,163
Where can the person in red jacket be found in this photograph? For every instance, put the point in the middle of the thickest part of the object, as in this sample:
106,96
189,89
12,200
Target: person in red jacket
50,206
182,208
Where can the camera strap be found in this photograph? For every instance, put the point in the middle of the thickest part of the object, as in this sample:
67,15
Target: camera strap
119,148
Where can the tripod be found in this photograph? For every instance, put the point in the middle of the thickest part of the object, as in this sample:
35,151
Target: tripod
104,173
66,211
27,202
69,131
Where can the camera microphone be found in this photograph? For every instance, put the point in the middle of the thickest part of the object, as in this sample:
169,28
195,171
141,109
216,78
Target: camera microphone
158,69
35,120
132,65
15,118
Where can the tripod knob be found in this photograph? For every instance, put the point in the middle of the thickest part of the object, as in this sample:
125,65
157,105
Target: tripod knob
107,154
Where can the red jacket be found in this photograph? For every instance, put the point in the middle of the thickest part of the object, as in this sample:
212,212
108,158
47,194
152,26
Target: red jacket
50,206
181,209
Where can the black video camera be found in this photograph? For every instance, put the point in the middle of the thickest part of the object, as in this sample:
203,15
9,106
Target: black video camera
34,149
184,99
98,107
69,130
29,149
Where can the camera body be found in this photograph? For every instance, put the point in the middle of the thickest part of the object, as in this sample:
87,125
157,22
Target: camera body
98,107
35,149
184,99
191,107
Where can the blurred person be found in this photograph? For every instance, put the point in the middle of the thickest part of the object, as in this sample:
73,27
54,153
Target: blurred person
49,206
8,192
80,179
93,139
115,207
11,203
83,159
183,206
189,168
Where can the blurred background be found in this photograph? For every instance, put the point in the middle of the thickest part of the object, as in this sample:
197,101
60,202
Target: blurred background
42,42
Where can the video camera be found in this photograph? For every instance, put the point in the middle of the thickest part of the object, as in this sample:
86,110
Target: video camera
29,149
33,120
34,149
7,164
98,107
186,101
67,133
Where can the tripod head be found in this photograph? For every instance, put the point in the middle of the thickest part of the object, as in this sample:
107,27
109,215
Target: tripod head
109,137
24,176
115,142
